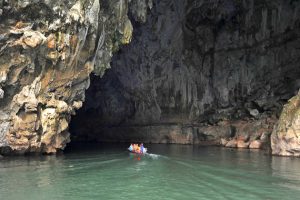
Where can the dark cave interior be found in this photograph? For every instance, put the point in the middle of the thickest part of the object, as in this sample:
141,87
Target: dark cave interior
191,65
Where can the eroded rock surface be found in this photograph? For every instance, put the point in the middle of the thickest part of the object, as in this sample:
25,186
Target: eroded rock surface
47,51
285,138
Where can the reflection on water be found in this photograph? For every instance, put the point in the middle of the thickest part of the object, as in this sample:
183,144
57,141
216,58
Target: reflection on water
167,172
288,169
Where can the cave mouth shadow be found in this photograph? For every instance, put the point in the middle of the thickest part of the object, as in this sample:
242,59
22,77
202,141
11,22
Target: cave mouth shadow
206,68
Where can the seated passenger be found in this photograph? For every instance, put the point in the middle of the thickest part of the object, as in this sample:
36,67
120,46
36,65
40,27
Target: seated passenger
130,147
142,148
134,147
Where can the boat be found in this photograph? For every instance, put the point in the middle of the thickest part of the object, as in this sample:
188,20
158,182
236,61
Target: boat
137,152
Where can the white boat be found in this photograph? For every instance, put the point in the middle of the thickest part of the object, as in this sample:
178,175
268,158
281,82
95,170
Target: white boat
133,151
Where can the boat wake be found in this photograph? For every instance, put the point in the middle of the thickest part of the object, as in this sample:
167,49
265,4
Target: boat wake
153,156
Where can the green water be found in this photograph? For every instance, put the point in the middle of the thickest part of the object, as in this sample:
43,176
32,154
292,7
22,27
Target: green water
169,172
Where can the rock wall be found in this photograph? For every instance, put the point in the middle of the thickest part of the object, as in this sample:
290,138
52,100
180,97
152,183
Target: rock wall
253,134
285,137
47,51
194,69
199,63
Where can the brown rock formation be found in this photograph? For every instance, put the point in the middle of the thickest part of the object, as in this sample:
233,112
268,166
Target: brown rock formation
285,139
242,144
256,144
231,144
47,51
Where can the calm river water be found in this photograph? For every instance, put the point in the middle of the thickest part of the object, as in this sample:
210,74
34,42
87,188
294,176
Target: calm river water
168,172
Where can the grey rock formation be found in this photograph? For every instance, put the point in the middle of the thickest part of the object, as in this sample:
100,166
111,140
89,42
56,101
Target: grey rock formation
197,61
1,93
253,112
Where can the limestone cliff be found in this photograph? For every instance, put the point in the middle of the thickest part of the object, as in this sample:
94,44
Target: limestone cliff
47,51
199,63
285,137
197,71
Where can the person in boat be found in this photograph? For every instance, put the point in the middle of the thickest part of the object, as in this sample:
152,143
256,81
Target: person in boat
142,148
137,148
130,147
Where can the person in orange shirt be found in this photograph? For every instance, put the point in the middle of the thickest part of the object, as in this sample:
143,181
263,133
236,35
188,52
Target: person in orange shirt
137,149
134,147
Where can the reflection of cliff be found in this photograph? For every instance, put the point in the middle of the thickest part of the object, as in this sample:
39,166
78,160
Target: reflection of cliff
201,62
40,172
284,168
47,52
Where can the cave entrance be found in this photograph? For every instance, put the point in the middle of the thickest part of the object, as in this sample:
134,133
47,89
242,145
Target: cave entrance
195,74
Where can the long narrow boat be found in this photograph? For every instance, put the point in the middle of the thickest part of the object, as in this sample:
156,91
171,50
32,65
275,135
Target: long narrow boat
138,152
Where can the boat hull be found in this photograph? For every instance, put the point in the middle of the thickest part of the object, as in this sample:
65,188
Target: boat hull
140,153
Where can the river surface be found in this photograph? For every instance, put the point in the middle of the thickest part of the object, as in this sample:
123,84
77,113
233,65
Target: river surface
168,172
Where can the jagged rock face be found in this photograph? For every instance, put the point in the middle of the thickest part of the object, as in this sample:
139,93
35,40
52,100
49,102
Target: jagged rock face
285,137
47,51
197,61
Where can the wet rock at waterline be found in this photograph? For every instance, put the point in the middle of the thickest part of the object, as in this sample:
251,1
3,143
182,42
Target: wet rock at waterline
231,134
47,51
